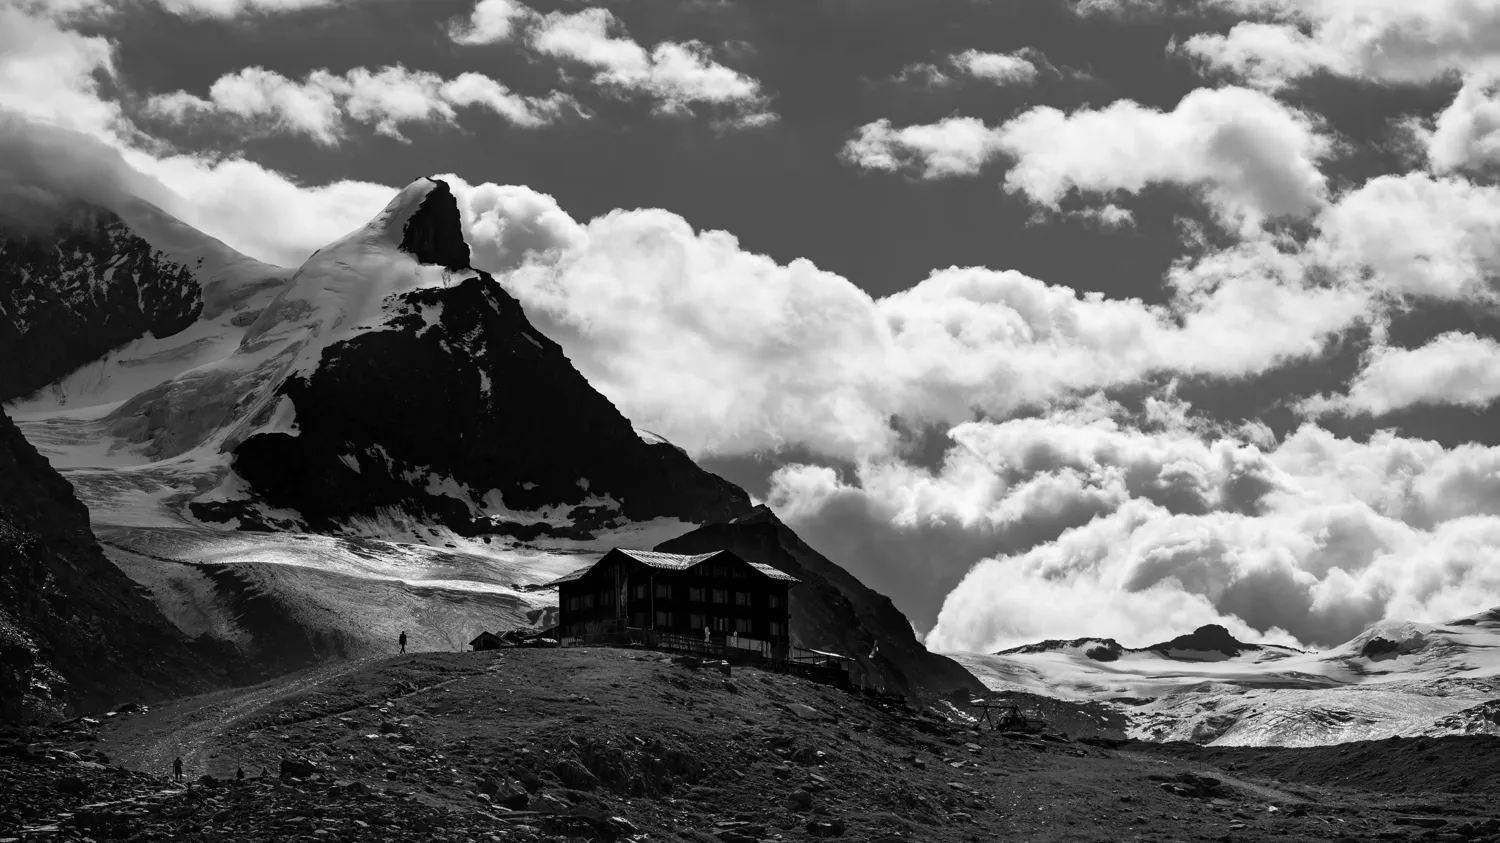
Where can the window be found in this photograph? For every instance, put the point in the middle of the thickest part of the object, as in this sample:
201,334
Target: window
695,595
721,624
663,618
588,601
573,604
742,598
639,592
664,590
721,596
774,601
696,622
778,629
742,625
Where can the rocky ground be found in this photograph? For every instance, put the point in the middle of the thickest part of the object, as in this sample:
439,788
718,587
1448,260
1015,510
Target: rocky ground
607,744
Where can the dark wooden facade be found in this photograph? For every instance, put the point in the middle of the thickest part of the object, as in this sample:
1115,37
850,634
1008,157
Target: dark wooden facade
665,595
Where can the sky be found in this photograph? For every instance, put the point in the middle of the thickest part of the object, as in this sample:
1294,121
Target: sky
1047,318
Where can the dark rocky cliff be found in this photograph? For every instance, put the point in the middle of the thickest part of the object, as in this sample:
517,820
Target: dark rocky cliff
70,296
75,633
458,386
833,611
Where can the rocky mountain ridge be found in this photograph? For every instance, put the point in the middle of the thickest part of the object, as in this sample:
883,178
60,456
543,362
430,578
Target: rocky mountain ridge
76,635
70,296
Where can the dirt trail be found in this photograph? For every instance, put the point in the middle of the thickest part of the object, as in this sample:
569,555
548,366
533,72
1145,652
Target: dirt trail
190,728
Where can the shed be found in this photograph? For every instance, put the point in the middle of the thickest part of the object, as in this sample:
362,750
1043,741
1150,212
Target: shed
486,641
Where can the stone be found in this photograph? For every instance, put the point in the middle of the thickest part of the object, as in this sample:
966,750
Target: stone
574,775
296,767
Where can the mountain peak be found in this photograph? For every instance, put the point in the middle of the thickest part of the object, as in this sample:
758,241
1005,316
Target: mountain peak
434,233
1207,638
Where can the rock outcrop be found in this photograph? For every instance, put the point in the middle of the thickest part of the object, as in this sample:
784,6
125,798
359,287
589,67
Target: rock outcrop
833,611
75,633
68,297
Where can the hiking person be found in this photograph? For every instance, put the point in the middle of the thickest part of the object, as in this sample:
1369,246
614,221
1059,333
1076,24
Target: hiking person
177,768
239,774
402,639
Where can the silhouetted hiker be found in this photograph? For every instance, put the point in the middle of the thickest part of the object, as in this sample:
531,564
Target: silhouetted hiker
239,773
177,768
402,639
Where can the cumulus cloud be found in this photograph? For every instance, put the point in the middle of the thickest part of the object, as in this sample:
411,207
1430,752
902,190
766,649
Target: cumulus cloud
319,105
1467,133
1455,368
1251,156
1416,235
490,21
676,76
954,146
1021,67
1016,68
235,8
1383,40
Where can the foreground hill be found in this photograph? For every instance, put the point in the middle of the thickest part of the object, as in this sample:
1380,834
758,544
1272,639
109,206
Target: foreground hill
1396,678
834,611
75,633
605,744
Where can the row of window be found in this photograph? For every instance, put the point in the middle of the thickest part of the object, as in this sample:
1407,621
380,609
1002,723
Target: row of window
697,622
695,594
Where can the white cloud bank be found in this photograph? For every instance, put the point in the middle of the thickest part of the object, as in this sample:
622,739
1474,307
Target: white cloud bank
1086,528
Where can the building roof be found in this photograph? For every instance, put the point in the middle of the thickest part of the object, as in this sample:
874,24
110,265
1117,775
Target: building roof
673,562
483,635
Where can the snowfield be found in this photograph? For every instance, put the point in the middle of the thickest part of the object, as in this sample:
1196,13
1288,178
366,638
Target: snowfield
1396,678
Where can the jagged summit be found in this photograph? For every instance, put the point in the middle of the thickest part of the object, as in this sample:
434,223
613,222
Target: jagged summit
434,232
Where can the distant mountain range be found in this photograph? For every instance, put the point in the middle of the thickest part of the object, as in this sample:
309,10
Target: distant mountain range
1395,678
299,464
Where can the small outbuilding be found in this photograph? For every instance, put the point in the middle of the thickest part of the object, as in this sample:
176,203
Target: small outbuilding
486,641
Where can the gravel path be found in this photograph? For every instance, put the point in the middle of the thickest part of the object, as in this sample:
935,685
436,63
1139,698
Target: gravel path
190,728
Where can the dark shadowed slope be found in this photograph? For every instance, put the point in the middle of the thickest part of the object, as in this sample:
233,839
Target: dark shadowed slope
834,611
75,633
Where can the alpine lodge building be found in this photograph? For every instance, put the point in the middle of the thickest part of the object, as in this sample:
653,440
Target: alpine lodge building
713,601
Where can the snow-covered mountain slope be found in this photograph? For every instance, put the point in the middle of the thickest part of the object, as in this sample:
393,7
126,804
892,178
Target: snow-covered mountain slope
113,302
1396,678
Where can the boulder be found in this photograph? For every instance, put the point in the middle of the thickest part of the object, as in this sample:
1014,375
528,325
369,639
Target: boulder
296,767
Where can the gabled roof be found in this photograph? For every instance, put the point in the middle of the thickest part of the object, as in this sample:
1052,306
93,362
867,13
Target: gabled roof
673,562
484,635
